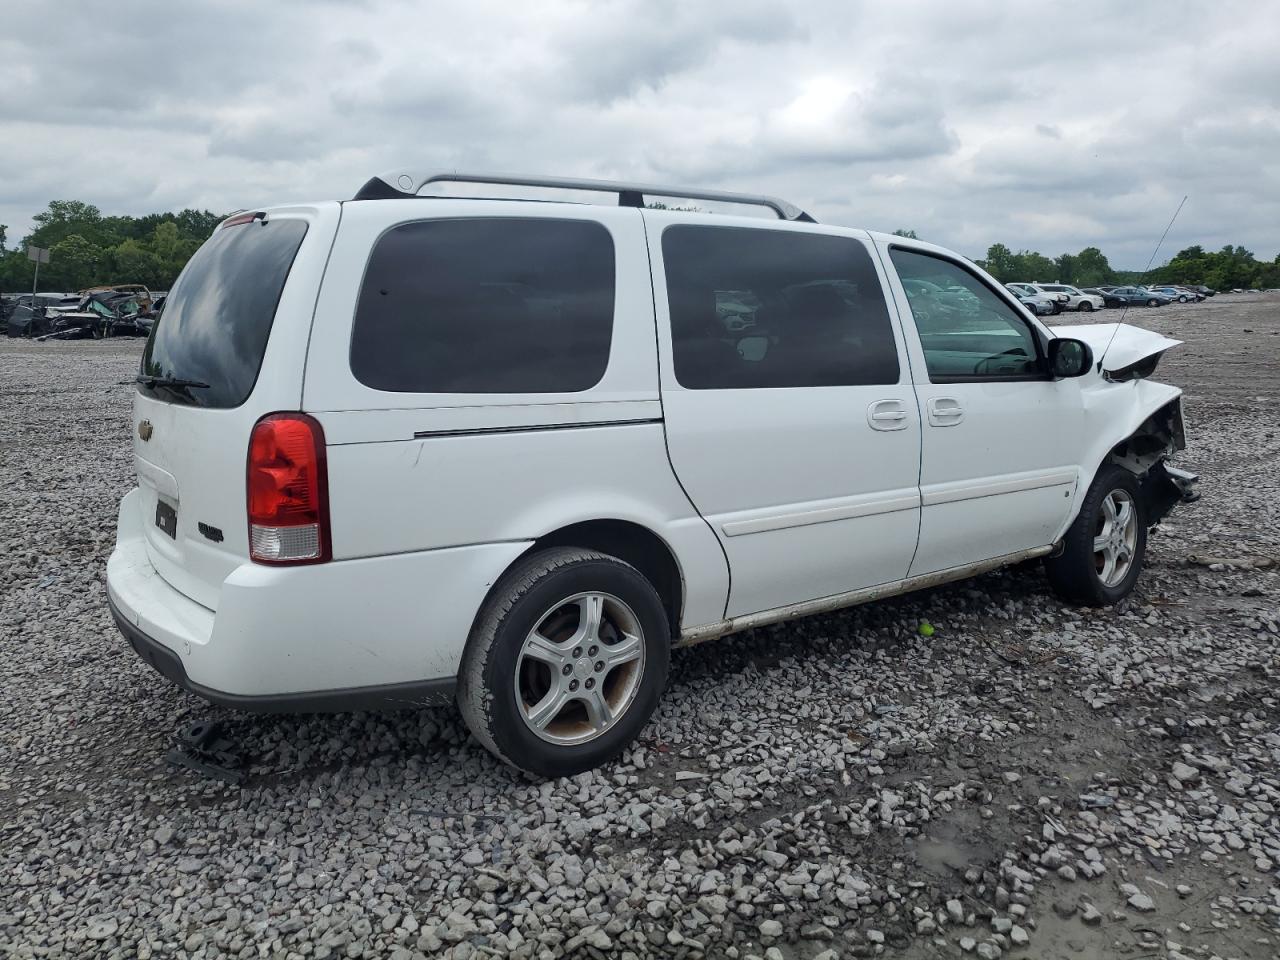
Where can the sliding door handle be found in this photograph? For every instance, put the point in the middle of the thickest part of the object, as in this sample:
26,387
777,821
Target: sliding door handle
887,415
944,411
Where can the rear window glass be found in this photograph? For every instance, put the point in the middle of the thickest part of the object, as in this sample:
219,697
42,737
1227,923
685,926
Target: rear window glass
493,305
215,324
759,308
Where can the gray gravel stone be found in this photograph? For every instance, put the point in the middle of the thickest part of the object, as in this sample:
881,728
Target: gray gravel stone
1141,902
770,928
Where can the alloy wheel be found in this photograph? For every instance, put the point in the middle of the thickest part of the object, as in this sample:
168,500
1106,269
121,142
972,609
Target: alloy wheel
1116,537
579,668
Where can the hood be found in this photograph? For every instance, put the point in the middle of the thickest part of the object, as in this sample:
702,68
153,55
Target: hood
1122,351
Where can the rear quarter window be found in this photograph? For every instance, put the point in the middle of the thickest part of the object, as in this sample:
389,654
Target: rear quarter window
216,322
486,305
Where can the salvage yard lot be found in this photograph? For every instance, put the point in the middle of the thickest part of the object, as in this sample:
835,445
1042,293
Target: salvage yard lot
1032,780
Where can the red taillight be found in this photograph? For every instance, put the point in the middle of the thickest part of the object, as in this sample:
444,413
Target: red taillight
288,491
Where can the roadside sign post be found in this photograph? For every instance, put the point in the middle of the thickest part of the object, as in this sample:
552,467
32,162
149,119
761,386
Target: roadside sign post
39,255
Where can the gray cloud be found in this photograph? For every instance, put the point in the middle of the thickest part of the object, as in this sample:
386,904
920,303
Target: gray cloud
625,46
1039,126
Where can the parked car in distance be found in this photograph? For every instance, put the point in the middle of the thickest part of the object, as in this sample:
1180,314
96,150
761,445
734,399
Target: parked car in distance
1076,299
1059,300
1175,293
1135,296
1207,291
403,450
949,299
1038,303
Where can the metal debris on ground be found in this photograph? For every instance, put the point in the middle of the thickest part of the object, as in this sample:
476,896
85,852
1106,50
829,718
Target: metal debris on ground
201,748
1244,563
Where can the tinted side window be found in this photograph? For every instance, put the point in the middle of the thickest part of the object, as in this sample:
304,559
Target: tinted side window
493,305
968,332
773,308
216,323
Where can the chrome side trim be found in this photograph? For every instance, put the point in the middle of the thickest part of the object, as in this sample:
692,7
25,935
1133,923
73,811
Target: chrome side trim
535,428
342,427
803,518
853,598
969,490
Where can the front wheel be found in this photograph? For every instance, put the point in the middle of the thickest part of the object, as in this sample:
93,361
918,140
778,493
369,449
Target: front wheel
1103,549
566,662
1085,306
1153,303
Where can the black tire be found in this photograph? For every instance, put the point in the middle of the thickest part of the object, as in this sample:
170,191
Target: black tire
1086,306
1073,574
521,598
1153,303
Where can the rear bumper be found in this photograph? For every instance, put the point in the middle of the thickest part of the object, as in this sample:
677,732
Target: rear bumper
381,632
425,693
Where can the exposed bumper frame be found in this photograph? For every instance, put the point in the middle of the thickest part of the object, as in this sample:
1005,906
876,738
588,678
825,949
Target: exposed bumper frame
398,696
1188,484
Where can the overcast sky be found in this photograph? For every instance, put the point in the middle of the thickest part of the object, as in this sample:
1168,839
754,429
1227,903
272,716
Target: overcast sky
1044,126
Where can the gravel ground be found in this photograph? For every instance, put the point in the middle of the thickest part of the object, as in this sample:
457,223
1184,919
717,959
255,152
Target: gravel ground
1033,780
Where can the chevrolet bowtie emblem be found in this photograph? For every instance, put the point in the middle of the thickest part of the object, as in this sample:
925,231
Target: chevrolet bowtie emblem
144,430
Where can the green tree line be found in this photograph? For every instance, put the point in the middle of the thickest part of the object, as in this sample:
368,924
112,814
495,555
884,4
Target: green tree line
1230,267
87,248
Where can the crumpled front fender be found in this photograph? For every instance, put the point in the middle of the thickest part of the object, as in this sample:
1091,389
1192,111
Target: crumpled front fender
1113,414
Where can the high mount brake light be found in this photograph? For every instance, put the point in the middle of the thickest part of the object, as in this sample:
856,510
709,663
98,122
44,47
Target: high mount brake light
241,218
287,488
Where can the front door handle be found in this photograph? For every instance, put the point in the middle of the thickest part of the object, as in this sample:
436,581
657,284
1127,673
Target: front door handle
944,411
887,415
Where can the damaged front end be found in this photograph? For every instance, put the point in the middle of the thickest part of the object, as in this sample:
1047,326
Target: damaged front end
1137,421
1146,453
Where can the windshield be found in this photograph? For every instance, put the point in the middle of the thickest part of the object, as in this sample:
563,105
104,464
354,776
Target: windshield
216,322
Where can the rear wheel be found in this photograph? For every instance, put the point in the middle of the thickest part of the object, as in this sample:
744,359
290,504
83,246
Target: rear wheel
1103,550
566,662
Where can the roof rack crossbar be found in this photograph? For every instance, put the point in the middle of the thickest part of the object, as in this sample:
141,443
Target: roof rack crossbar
407,183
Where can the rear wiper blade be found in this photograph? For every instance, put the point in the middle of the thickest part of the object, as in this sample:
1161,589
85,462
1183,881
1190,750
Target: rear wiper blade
148,381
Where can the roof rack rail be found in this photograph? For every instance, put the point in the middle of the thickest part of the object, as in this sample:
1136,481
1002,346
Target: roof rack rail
407,182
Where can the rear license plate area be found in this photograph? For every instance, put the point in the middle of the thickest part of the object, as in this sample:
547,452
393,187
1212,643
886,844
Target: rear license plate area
167,519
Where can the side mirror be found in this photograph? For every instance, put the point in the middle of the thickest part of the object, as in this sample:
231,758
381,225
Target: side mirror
1069,358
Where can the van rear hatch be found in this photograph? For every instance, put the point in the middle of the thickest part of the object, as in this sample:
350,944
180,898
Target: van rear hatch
228,348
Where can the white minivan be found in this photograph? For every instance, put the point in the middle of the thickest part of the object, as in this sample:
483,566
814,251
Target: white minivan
404,450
